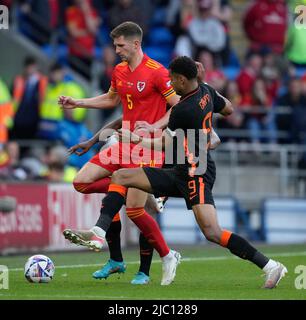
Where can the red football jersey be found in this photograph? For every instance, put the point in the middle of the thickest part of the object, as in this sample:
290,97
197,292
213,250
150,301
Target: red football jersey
143,92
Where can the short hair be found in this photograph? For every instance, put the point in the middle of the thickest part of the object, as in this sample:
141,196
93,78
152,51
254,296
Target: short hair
29,61
57,166
127,29
56,67
185,66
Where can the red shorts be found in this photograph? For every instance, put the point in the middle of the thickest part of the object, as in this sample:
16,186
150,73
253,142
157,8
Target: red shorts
124,155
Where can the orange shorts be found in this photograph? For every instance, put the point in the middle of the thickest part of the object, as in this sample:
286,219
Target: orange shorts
127,155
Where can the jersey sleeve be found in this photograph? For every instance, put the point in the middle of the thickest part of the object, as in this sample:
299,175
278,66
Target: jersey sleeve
163,83
176,119
113,87
218,101
171,123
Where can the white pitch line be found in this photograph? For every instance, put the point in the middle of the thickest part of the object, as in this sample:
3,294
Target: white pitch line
281,254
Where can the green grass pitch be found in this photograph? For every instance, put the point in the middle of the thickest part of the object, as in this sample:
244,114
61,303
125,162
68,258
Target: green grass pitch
206,272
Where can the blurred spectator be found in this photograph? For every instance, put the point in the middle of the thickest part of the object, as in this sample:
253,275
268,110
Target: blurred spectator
39,18
235,120
13,151
179,15
127,10
213,76
223,12
56,172
66,126
148,9
293,99
271,73
298,123
108,64
50,113
10,167
82,23
295,49
298,127
58,169
4,163
265,24
33,162
264,118
37,164
205,31
248,75
231,92
29,90
6,112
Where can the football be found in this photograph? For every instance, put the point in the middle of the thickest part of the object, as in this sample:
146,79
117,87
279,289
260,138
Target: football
39,269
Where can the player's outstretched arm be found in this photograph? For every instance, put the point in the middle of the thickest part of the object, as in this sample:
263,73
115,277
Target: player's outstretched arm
104,101
102,134
161,123
228,109
108,130
158,144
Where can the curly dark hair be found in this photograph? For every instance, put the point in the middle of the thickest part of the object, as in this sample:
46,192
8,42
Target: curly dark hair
185,66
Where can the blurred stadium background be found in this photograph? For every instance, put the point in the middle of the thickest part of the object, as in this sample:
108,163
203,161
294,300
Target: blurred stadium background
253,54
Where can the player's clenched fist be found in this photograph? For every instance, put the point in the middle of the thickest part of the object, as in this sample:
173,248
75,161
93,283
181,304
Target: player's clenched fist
67,102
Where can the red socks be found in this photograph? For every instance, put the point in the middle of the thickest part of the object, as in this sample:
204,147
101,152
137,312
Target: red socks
150,229
99,186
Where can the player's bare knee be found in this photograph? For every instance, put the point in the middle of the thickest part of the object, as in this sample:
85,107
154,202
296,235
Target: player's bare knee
211,235
121,177
79,178
132,202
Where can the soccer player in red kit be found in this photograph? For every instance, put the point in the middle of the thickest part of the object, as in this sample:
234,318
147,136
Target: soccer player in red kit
144,92
143,87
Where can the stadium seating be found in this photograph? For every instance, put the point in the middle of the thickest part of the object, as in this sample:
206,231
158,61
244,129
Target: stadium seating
159,17
58,53
160,36
161,55
230,72
300,71
233,59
